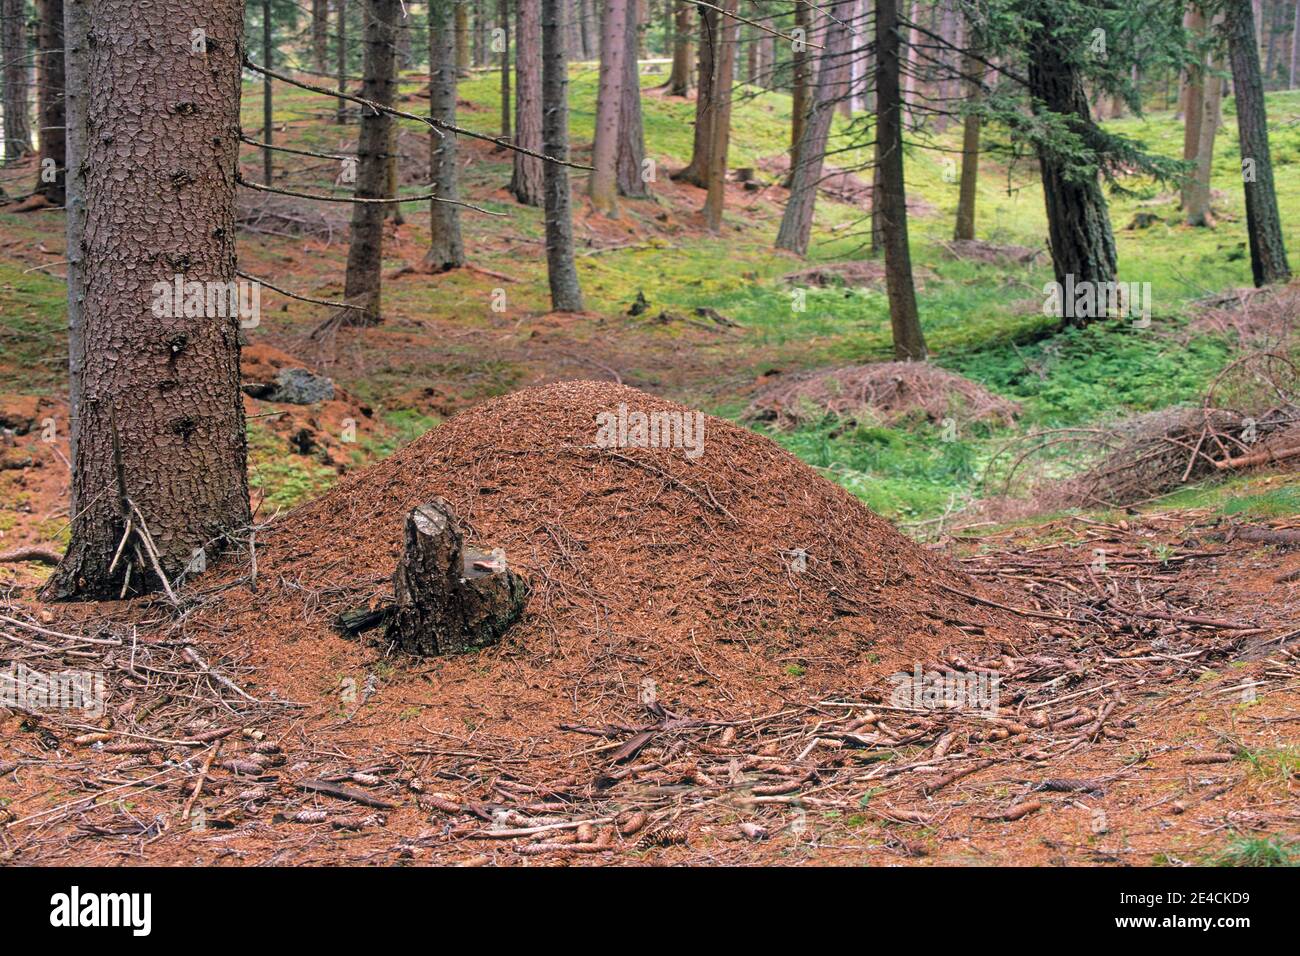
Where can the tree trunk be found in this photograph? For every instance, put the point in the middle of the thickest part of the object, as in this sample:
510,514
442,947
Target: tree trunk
566,295
392,177
320,29
909,341
341,58
446,248
1193,93
720,124
910,104
697,170
526,184
587,30
1268,262
632,181
801,71
76,28
832,86
1295,49
970,138
268,111
602,184
1078,223
1196,195
52,171
366,250
161,445
463,51
13,53
503,14
679,79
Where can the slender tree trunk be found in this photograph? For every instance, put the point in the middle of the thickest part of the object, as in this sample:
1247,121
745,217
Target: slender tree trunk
904,320
51,171
679,79
161,446
1082,243
366,250
832,86
1193,93
527,183
268,111
478,36
723,76
877,219
76,28
1295,49
1268,263
392,177
463,51
602,184
697,170
910,105
566,295
970,138
320,28
446,248
503,14
632,181
13,53
1196,197
587,30
341,58
801,79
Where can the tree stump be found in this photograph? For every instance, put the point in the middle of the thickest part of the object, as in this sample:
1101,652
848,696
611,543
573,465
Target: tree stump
450,599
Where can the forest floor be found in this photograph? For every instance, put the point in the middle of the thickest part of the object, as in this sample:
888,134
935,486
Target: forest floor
1175,743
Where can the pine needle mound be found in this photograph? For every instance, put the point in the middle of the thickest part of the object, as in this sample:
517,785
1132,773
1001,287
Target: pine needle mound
647,568
884,393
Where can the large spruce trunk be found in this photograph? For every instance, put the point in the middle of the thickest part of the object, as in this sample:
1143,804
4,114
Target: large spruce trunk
161,431
566,296
1268,261
891,196
526,183
446,247
50,178
366,250
1078,223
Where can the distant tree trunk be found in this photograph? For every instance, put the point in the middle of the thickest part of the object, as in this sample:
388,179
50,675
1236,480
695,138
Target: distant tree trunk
877,220
341,57
503,14
1196,197
1268,263
767,45
970,138
366,250
697,170
720,125
268,110
801,79
832,83
1295,49
161,445
446,248
477,57
527,182
904,320
631,132
76,29
1078,224
1193,92
392,176
320,28
566,295
463,51
51,171
13,53
910,104
587,29
602,184
679,79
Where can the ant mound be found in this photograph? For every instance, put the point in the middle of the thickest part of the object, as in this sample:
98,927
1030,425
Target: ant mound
703,569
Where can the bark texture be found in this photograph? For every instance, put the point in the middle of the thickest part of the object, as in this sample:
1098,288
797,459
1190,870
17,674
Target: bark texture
446,247
17,103
679,78
51,171
341,58
320,28
631,130
161,431
970,141
76,27
602,183
720,122
526,183
566,295
1193,93
696,172
1196,194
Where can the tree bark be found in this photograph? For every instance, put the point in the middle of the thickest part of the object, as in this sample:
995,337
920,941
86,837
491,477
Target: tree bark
463,38
696,171
161,433
602,184
51,171
1193,93
1078,224
13,53
366,250
446,247
76,28
974,71
341,58
720,124
268,111
526,184
503,15
1196,195
587,29
832,87
631,132
801,79
1295,49
320,28
904,320
1268,263
566,295
679,79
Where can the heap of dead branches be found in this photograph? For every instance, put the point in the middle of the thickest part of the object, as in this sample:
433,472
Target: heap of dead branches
277,215
1258,318
881,393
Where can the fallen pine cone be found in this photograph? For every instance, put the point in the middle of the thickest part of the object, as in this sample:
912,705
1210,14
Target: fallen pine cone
1210,758
439,801
135,747
1017,812
633,823
664,836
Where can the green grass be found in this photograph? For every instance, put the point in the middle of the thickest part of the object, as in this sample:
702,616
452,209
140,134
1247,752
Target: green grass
1259,851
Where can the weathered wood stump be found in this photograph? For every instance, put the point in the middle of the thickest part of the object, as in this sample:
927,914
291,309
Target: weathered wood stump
450,599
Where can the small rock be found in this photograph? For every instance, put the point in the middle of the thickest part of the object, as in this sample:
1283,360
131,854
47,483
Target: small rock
298,386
